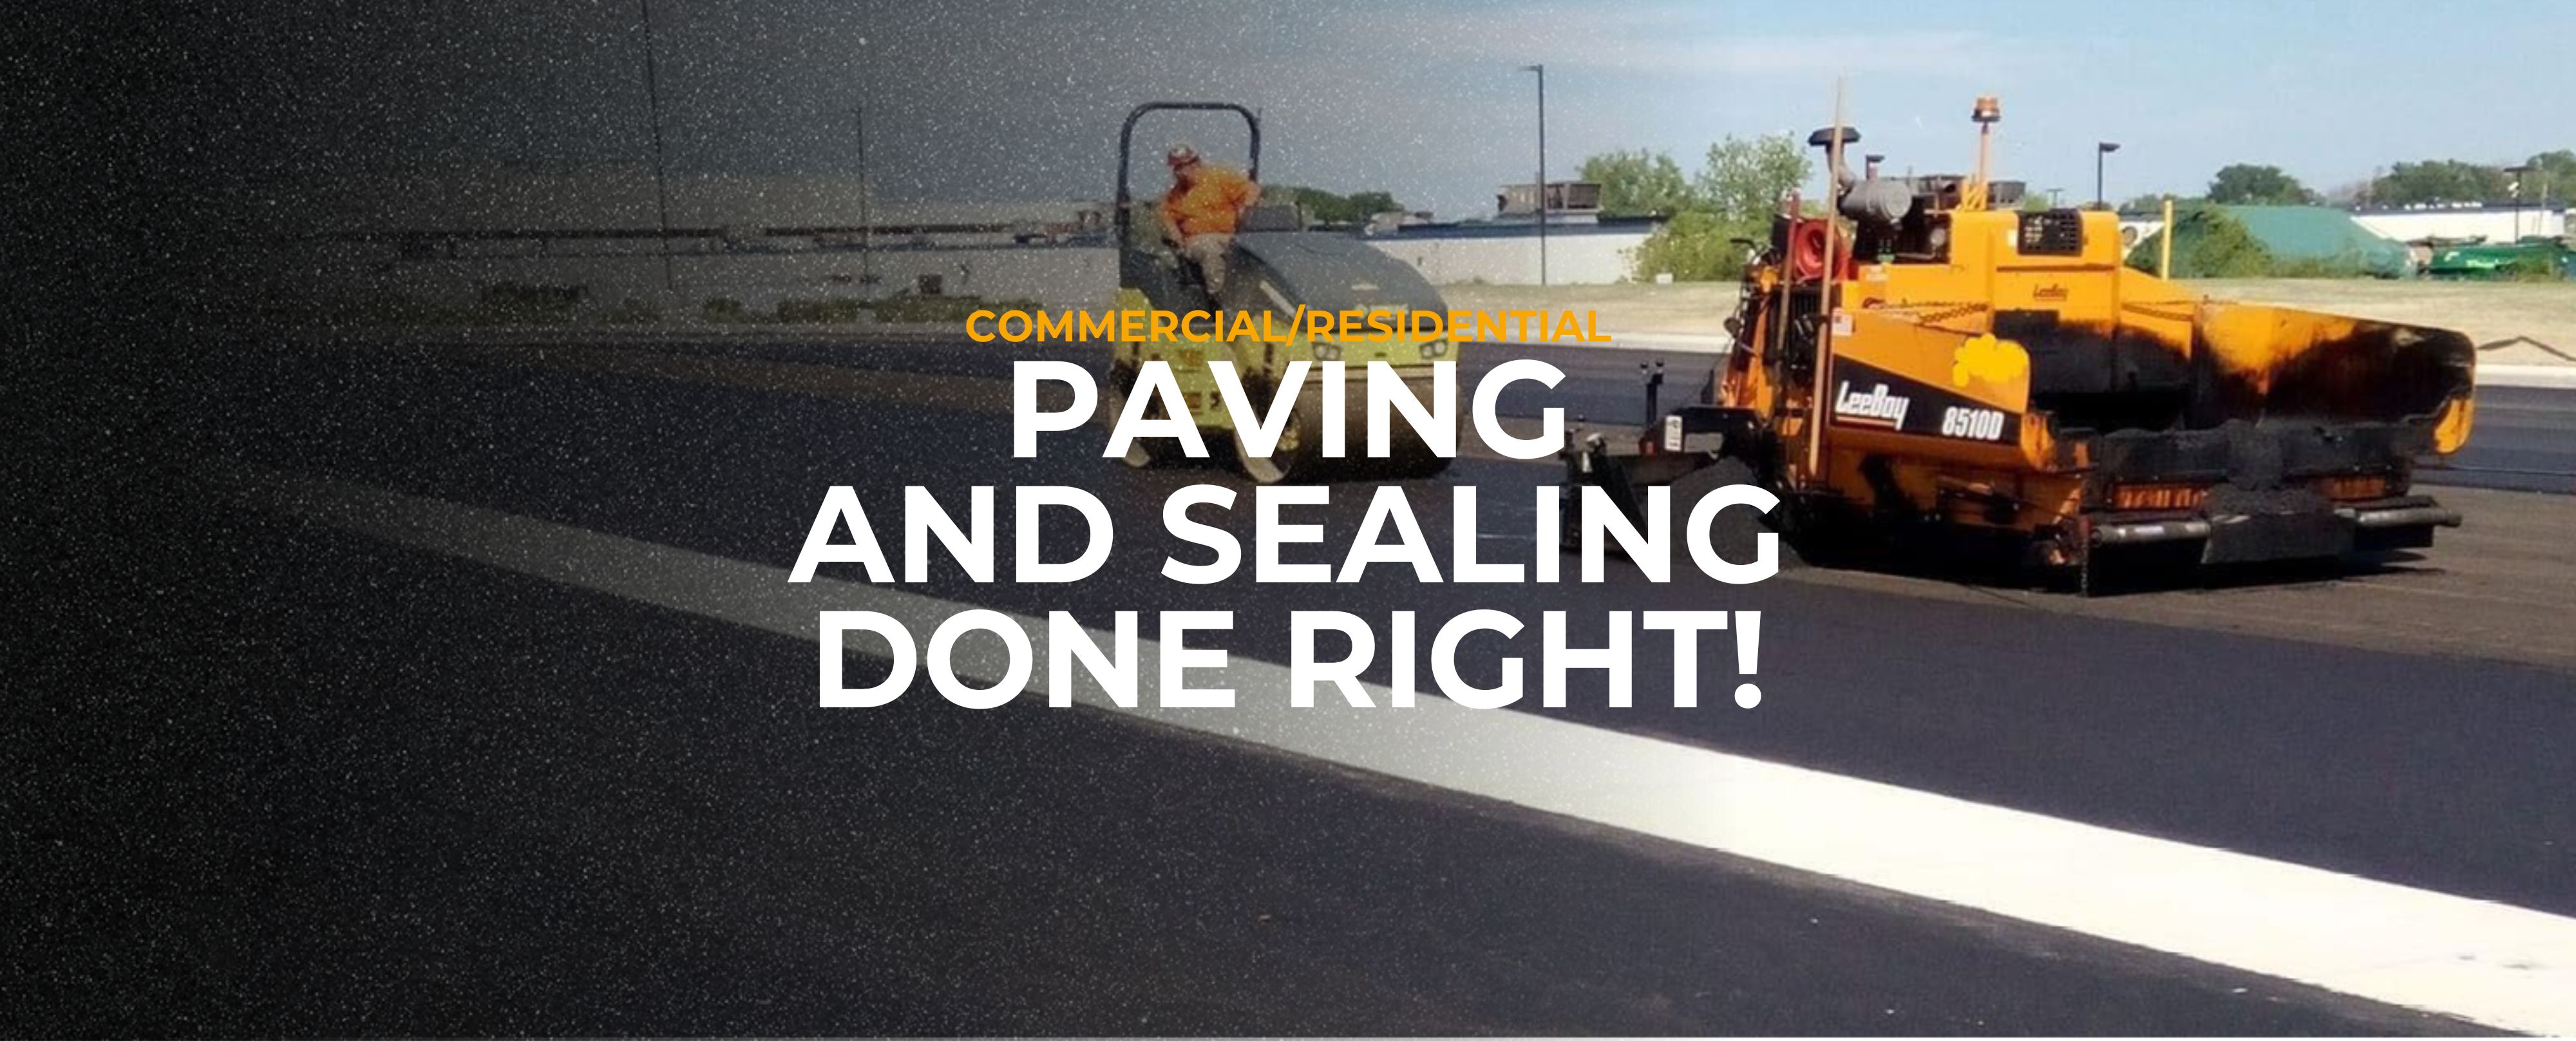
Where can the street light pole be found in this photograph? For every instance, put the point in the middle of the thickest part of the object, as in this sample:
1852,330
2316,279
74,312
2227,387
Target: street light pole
661,182
1541,194
2518,172
2101,149
867,218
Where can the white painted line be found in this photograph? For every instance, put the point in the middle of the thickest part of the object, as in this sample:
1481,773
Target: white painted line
2555,377
2503,966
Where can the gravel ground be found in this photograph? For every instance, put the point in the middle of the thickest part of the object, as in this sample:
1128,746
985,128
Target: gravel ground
2487,311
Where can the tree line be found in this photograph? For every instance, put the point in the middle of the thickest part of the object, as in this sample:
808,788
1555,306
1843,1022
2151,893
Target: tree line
2550,175
1731,196
1323,207
1740,181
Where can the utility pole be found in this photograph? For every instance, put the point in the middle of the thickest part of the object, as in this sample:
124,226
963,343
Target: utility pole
1541,193
867,216
661,182
2518,173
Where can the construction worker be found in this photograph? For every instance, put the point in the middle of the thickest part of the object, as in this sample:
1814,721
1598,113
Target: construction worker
1200,212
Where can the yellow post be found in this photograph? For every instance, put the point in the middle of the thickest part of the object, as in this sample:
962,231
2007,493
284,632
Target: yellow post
2164,243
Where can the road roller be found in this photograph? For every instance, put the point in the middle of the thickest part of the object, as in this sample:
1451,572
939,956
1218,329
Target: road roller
1919,356
1280,270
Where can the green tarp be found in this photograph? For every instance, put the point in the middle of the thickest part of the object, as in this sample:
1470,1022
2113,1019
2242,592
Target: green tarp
2329,236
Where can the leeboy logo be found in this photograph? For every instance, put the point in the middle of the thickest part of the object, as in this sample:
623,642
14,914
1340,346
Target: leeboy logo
1876,408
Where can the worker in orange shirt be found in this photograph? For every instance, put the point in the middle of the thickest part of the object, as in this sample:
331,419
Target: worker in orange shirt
1200,212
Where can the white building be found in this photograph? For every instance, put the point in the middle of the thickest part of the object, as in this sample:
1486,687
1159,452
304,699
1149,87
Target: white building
1508,253
2491,222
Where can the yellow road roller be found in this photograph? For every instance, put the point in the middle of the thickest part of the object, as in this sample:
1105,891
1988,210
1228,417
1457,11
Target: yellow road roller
1281,270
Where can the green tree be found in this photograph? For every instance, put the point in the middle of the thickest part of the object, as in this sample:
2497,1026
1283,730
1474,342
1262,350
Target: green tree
1734,197
1640,183
2438,180
1312,202
2244,184
2149,204
1696,246
1323,207
1744,178
2552,173
2208,243
1370,204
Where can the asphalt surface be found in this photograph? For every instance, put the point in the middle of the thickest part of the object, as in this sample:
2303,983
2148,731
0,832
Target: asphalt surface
2525,439
309,782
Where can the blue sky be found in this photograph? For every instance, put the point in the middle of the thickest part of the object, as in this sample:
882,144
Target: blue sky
994,99
2328,91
